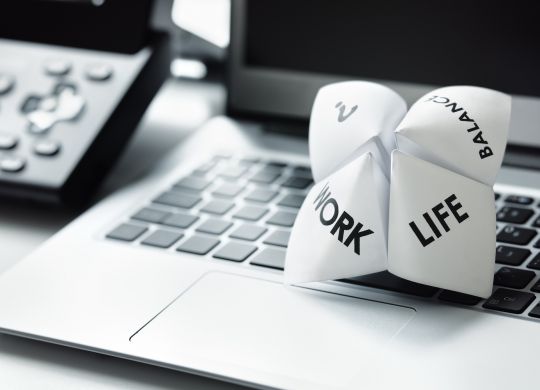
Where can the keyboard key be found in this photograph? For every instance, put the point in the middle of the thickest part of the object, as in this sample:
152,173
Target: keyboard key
233,172
180,220
57,67
535,262
193,183
261,195
302,171
276,165
7,83
99,72
510,301
8,141
535,312
251,213
510,255
516,235
497,196
265,176
386,281
249,160
519,199
178,199
127,232
292,200
298,183
12,164
248,232
30,103
235,251
214,226
536,286
198,245
536,222
228,190
204,168
279,238
462,299
57,90
513,277
217,207
537,244
162,238
150,215
47,148
282,218
514,214
271,258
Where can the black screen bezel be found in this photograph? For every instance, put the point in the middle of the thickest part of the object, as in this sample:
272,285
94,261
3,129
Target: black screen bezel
117,25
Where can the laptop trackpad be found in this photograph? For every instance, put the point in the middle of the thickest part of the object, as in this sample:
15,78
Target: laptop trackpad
265,332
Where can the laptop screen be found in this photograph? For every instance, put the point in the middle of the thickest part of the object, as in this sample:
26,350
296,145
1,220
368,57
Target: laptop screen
283,51
487,43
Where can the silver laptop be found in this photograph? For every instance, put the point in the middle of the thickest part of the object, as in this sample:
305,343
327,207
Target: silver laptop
183,269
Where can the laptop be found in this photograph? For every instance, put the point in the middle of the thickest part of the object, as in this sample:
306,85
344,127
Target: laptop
184,268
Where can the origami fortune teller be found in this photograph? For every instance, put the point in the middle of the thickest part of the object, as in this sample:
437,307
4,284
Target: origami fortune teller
408,192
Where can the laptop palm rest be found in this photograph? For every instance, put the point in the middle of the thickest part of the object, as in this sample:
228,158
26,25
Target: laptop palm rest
262,329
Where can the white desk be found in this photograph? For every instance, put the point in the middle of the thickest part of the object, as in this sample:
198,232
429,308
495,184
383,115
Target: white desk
179,108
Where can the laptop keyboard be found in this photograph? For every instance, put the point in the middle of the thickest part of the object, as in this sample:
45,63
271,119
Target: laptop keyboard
242,210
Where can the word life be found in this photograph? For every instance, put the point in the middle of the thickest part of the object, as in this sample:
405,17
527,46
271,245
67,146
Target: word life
478,138
440,215
342,222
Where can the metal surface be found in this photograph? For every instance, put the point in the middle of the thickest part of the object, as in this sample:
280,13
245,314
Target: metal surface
28,364
94,294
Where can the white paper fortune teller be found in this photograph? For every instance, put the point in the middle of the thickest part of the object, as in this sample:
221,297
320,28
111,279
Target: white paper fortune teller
429,215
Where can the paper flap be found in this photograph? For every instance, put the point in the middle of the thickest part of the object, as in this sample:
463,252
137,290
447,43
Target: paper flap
441,227
461,128
341,228
345,116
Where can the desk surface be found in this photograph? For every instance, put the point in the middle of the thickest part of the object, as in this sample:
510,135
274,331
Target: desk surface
179,108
